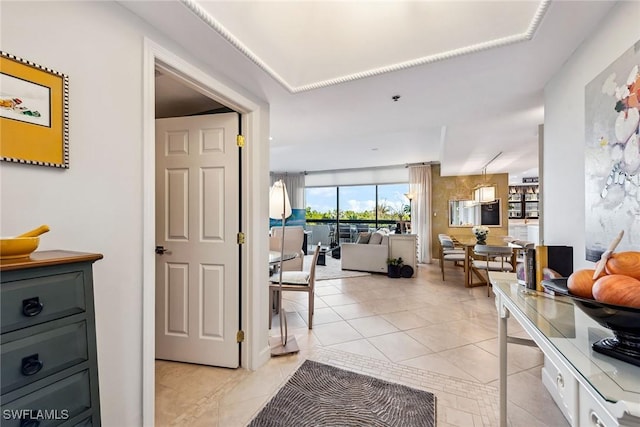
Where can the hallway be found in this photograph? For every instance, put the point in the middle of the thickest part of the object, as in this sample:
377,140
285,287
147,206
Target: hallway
422,332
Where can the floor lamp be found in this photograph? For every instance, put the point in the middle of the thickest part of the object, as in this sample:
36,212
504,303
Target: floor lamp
410,196
280,208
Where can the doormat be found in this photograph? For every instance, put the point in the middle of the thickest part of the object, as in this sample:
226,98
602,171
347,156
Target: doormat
323,395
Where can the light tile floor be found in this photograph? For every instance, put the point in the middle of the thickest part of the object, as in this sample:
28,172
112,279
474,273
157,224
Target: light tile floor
423,332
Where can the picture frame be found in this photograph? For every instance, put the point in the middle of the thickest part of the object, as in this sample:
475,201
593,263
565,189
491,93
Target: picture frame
467,213
612,168
34,113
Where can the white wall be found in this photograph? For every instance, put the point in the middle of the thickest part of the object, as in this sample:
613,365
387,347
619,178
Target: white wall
96,205
365,176
564,140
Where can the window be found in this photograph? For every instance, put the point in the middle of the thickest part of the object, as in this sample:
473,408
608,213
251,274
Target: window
360,207
357,206
321,203
392,202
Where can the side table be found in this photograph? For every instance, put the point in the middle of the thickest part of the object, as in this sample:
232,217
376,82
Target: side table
322,256
404,246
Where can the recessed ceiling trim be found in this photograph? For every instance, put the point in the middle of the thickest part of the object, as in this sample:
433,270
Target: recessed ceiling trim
220,29
478,47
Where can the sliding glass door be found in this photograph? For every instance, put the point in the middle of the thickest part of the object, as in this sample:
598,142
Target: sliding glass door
321,214
339,214
357,207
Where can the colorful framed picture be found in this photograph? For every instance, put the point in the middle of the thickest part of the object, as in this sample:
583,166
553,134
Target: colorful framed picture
612,156
34,113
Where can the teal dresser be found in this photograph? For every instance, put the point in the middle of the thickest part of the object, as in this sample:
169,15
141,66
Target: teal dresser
48,360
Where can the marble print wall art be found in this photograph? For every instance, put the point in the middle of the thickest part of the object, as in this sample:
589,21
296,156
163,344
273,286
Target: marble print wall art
612,156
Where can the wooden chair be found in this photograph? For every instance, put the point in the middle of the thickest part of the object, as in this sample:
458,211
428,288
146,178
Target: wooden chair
295,281
496,258
449,252
293,243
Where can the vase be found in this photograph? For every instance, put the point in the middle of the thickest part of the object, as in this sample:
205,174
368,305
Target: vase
393,271
481,237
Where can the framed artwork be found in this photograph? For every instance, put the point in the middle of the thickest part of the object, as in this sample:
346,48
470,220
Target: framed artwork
34,113
612,156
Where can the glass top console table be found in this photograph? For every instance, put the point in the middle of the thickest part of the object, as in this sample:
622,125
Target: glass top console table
590,388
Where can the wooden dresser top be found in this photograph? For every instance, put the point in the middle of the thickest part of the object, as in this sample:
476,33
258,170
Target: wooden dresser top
47,258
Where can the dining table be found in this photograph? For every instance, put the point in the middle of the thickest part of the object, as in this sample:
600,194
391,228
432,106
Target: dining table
468,243
274,257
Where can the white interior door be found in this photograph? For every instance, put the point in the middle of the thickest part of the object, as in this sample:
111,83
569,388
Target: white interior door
197,220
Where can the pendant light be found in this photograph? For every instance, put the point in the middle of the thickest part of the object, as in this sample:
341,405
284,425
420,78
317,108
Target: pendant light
485,192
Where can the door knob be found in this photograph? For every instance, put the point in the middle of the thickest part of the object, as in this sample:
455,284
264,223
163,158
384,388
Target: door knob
161,250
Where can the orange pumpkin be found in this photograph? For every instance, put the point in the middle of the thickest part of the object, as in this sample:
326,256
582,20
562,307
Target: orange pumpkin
580,283
625,263
618,289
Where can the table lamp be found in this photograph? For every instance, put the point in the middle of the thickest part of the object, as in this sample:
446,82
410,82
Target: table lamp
280,208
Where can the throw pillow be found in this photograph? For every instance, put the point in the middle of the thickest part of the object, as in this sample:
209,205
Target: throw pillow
376,238
363,237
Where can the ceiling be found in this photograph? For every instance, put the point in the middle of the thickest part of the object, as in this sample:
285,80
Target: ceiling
470,75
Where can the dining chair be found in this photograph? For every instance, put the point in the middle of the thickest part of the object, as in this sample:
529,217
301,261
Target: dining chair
496,258
449,252
295,281
293,243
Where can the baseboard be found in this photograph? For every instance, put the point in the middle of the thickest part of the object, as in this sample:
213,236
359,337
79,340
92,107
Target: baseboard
263,356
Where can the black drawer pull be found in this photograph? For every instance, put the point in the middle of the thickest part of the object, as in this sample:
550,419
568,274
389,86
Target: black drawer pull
31,307
28,422
31,365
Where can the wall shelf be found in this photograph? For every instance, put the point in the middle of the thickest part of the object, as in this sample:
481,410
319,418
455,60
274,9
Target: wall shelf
523,201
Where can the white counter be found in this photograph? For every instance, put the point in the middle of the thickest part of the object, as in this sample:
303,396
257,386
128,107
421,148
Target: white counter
521,230
591,389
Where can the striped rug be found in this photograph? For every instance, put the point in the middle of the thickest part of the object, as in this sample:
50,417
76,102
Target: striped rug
323,395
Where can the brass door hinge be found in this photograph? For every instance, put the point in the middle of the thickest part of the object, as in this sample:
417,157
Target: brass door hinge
240,336
241,238
240,140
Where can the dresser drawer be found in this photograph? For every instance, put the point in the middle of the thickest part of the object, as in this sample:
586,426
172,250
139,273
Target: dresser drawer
592,413
87,422
52,404
36,356
36,300
562,386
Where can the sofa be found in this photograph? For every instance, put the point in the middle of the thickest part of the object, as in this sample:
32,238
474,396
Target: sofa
369,253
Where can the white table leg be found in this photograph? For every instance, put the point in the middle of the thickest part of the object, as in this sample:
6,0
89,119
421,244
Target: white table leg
503,315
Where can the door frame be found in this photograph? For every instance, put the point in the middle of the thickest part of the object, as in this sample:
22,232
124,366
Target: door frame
255,184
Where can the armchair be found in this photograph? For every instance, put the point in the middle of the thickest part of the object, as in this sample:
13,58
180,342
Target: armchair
293,241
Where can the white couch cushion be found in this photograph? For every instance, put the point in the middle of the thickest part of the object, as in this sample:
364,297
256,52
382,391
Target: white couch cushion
376,238
363,237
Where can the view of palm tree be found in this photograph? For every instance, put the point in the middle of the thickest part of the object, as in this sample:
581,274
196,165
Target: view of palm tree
360,207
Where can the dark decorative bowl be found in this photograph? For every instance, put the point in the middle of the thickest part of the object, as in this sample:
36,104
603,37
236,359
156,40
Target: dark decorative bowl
623,321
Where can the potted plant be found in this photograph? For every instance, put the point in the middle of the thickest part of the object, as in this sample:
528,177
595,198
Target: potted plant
393,267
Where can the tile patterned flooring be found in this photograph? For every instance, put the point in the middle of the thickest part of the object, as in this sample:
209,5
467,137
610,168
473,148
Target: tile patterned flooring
422,332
